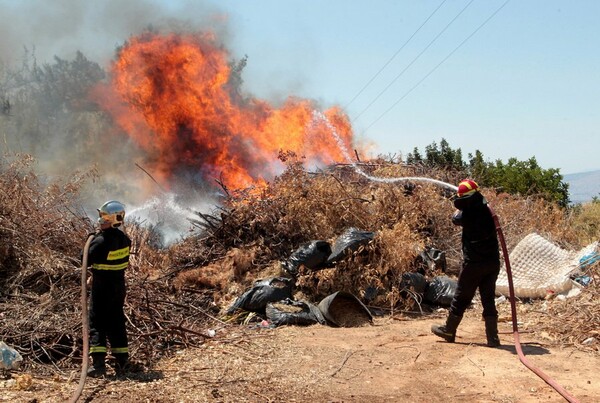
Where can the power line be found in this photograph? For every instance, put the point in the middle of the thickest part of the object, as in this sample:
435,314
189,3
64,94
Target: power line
394,56
439,64
414,60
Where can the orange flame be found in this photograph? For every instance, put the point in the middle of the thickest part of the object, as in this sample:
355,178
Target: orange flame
174,96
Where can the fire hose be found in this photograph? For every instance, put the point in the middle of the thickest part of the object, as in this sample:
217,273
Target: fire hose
84,321
319,116
513,309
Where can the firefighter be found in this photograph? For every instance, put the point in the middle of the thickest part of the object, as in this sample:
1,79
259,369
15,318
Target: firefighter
481,263
108,257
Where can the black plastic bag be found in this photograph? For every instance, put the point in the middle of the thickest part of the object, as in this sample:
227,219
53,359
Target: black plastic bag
415,282
312,255
349,241
289,312
343,309
440,291
262,292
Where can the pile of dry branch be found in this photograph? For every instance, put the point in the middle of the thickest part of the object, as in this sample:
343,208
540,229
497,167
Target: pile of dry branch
41,239
175,295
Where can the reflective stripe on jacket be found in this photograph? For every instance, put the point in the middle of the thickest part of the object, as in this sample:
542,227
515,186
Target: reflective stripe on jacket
116,260
109,251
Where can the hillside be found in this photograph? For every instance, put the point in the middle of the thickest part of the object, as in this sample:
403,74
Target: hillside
583,186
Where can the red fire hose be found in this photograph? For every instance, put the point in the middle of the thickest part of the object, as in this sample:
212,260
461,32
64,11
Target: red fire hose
84,321
513,308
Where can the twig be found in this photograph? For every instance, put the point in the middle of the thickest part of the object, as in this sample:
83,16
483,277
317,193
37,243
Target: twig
268,399
346,357
193,307
186,330
154,180
476,366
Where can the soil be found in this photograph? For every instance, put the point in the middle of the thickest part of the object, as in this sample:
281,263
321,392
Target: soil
395,359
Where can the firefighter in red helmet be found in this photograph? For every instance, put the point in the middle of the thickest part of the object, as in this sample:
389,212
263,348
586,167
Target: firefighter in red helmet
108,257
481,263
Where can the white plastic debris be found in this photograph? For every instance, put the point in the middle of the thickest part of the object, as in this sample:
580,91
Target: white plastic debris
589,341
9,357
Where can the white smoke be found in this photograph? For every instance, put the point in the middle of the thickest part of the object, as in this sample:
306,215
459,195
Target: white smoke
96,28
39,31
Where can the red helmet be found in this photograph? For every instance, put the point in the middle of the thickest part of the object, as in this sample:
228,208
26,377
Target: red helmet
467,187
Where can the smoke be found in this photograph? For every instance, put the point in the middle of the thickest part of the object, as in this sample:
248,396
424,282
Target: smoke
62,142
96,28
172,104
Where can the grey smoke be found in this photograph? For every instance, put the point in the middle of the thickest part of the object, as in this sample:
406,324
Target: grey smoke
62,142
96,28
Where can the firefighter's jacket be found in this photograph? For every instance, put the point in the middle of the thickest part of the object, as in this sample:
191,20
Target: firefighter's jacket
479,239
109,255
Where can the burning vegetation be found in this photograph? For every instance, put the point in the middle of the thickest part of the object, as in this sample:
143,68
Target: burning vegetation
178,98
173,104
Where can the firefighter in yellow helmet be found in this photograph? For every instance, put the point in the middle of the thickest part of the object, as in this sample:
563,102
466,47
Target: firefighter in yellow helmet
481,263
108,257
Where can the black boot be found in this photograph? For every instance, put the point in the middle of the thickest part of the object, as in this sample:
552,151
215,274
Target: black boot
121,364
98,368
447,331
491,331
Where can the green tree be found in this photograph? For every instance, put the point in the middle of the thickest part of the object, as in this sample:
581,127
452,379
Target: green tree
527,178
524,178
443,156
414,157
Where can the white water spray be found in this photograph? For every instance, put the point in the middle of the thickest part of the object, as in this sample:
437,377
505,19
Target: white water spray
170,218
318,116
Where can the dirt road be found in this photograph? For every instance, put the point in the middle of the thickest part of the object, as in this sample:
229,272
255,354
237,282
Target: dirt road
393,360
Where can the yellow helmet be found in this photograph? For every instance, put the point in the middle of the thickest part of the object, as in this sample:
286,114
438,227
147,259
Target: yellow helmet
112,212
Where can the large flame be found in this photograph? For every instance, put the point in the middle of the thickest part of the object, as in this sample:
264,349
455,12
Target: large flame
175,95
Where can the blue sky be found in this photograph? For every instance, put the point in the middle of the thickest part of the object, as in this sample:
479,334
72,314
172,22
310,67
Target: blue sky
526,84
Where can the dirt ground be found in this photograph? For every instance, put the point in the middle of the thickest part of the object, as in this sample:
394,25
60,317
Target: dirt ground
396,359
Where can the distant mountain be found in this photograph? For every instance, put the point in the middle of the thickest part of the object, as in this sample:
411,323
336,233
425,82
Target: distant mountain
583,186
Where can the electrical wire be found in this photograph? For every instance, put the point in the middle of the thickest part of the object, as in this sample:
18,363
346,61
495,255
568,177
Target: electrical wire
394,56
439,64
414,60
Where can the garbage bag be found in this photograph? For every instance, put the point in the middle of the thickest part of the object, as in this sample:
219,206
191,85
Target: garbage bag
349,241
262,292
290,312
9,357
431,259
414,281
312,255
343,309
440,291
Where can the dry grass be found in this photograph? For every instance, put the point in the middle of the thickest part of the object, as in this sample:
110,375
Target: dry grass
177,293
42,232
301,206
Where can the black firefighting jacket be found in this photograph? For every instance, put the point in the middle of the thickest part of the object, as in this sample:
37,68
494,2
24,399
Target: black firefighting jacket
479,239
109,254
